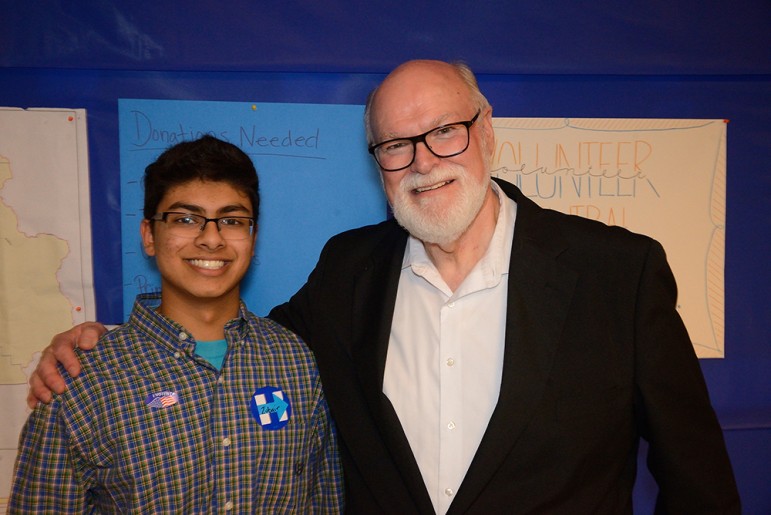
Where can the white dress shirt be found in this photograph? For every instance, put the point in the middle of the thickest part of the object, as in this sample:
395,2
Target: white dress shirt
445,357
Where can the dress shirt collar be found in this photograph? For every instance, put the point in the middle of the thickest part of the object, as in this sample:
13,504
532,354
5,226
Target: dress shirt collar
170,333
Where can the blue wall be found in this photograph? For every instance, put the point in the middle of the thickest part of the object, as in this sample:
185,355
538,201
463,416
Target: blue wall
550,58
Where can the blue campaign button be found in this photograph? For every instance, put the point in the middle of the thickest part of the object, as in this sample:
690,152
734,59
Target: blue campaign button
270,407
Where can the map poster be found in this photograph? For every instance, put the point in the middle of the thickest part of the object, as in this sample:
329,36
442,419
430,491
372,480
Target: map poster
45,251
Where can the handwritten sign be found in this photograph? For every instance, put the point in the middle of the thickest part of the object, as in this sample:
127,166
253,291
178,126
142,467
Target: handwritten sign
316,180
663,178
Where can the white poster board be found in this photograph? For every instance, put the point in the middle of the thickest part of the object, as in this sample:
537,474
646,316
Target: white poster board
663,178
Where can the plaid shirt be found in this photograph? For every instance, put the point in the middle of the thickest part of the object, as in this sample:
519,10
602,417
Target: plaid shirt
150,427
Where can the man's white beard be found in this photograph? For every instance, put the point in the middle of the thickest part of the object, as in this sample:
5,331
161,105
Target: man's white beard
425,219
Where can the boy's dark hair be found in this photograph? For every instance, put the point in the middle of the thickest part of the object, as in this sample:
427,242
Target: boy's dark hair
205,159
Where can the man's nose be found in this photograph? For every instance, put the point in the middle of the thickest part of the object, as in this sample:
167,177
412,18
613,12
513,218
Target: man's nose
425,160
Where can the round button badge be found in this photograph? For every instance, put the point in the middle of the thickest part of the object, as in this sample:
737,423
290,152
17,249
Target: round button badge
270,407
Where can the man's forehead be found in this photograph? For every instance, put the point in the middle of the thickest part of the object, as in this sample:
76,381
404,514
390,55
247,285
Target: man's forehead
410,116
418,99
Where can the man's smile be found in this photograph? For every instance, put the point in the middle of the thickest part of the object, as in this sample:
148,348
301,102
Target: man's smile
432,187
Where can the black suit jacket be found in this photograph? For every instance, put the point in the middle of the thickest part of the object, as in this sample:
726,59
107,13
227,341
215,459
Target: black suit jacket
596,356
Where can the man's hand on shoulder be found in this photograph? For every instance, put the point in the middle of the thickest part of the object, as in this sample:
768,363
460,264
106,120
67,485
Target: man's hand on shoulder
46,380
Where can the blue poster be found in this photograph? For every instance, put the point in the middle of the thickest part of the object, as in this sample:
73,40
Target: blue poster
316,180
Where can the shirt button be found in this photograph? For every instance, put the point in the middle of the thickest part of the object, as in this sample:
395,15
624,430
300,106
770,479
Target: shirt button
177,355
183,336
448,492
451,425
228,505
451,304
450,362
226,442
221,380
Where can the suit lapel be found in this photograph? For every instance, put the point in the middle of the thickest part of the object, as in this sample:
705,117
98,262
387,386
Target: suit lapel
540,291
374,300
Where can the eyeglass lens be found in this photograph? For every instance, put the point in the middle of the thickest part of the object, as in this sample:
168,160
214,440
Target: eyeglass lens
190,225
445,141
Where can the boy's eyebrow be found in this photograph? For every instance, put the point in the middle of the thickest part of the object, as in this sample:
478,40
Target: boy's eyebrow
192,208
234,208
185,207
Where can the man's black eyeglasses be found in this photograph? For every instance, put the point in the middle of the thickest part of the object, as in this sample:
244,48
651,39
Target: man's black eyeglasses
443,141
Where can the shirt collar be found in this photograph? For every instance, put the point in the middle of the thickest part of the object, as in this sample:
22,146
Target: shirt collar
147,319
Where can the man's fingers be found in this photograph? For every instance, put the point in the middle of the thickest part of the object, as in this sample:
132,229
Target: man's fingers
62,349
48,373
89,334
37,392
41,383
46,379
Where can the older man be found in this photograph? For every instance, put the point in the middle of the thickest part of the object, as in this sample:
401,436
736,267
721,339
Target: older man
483,355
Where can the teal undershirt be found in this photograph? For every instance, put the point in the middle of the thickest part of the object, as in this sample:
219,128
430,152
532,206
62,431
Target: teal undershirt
213,351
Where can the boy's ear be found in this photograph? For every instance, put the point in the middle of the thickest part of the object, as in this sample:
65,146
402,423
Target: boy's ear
148,241
254,237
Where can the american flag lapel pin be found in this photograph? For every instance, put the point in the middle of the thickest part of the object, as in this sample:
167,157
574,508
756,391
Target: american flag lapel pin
162,399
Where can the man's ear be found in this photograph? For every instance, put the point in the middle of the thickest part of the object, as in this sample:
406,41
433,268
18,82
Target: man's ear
487,128
148,240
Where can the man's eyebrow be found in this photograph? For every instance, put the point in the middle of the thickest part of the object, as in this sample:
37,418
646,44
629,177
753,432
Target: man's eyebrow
436,122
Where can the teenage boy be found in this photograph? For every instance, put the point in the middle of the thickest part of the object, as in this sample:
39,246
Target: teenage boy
195,404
